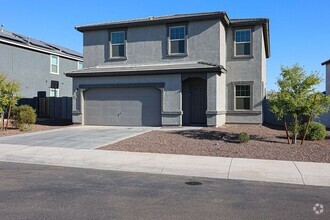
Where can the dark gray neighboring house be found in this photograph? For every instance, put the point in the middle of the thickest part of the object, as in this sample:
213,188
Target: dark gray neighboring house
38,65
325,118
327,77
188,69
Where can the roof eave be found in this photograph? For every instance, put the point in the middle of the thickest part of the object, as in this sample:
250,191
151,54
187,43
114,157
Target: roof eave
209,69
223,16
267,38
41,50
325,62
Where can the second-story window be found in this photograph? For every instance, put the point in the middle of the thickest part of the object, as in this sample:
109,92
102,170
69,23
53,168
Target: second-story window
177,40
54,64
243,42
117,40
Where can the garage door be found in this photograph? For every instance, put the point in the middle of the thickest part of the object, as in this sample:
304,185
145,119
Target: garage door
123,106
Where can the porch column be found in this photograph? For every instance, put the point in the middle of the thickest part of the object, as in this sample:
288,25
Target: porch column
216,99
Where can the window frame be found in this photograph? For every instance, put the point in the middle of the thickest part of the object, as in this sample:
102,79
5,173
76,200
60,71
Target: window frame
250,42
235,84
54,87
57,92
82,65
57,64
185,39
111,57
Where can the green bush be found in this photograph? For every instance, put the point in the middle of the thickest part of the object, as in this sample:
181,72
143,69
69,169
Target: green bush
23,117
316,131
25,127
243,137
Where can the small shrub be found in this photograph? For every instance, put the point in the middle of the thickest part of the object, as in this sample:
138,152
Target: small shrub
25,127
316,131
23,117
243,137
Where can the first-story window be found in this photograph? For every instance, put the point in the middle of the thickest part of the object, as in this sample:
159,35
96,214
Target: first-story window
242,97
54,64
117,44
177,40
54,89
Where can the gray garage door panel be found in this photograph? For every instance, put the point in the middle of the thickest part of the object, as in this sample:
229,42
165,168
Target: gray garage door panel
123,106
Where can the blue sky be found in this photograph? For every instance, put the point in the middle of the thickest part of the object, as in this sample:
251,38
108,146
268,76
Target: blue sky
300,29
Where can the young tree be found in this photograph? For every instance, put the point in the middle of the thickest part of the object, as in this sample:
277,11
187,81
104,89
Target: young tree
9,95
3,99
296,97
13,89
319,105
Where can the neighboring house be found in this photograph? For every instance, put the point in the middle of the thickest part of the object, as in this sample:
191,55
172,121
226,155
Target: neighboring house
190,69
327,77
325,118
38,65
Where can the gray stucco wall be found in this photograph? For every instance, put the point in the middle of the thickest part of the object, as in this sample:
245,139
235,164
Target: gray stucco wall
171,94
32,69
148,45
245,70
223,45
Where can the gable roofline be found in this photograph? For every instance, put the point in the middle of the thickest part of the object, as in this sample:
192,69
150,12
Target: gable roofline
325,62
157,20
18,40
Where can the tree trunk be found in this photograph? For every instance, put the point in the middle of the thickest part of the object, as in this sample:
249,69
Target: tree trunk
2,120
308,122
294,138
9,111
294,130
306,129
286,130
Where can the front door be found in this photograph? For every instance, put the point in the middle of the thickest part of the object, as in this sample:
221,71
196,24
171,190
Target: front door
198,103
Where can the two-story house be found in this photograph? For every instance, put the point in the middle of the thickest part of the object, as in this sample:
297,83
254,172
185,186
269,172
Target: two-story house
188,69
39,66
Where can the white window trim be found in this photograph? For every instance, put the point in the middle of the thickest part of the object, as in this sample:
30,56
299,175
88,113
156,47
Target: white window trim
81,66
251,95
170,40
250,42
58,64
57,92
111,44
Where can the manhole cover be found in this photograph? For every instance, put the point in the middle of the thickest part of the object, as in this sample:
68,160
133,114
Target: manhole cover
193,183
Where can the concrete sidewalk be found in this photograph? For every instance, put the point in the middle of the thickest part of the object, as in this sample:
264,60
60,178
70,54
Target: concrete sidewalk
305,173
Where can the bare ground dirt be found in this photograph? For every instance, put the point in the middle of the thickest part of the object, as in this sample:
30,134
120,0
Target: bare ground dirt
40,126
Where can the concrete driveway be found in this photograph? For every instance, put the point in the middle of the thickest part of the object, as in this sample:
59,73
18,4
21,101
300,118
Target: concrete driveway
76,137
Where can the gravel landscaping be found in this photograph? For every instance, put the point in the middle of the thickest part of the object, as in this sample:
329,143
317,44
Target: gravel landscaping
41,126
266,143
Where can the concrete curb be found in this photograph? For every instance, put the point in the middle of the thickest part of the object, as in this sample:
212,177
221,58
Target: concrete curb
292,172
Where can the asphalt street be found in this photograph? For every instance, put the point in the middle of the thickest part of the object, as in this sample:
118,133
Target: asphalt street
49,192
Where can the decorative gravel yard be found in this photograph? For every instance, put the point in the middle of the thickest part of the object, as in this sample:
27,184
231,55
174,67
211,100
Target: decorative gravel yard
41,126
266,143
